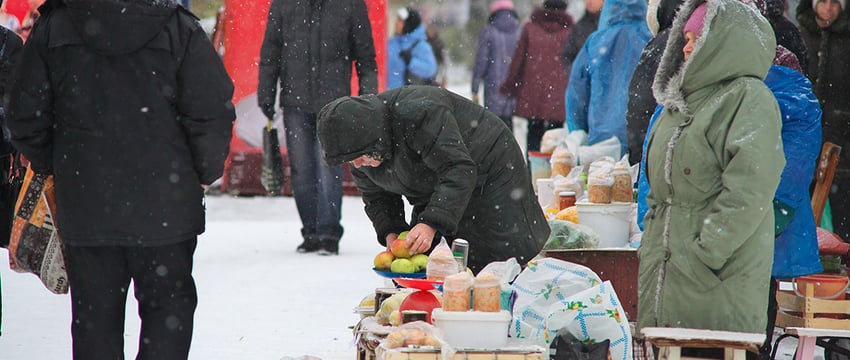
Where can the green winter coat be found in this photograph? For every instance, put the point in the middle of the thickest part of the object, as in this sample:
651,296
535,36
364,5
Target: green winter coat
456,163
714,160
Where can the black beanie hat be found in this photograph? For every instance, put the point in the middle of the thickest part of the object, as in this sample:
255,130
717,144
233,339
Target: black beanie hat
412,21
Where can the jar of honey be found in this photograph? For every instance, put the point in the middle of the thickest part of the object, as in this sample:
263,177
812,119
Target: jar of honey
566,199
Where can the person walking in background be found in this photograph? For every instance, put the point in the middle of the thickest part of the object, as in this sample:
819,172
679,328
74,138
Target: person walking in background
310,57
536,77
455,162
432,34
787,34
131,151
580,32
597,92
713,162
10,46
826,31
496,45
410,59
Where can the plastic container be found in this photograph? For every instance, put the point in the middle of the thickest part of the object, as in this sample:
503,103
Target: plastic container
610,221
825,286
473,329
540,167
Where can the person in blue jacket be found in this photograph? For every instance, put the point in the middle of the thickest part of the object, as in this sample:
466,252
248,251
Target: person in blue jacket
409,50
597,92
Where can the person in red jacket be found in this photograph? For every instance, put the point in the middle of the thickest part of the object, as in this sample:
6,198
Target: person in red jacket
536,78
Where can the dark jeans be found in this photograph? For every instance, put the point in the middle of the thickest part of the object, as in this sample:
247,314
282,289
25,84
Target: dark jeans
99,277
317,187
536,128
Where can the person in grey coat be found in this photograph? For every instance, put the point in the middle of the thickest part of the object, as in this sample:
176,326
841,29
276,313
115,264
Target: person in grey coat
308,50
496,46
455,162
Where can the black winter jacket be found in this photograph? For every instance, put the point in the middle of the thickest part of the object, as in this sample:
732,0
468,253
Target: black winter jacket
129,106
578,36
10,50
455,162
641,101
309,47
829,61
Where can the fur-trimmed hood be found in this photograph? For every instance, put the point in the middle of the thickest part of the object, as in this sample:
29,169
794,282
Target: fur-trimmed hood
735,41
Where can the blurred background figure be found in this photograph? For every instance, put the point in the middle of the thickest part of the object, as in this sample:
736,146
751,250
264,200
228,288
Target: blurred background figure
641,103
597,92
409,56
580,32
824,25
536,77
496,45
432,33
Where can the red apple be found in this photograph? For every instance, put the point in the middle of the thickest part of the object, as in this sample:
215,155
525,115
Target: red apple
383,260
399,249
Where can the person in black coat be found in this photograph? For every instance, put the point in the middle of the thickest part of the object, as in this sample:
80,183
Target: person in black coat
455,162
580,32
825,25
10,46
641,101
128,106
308,50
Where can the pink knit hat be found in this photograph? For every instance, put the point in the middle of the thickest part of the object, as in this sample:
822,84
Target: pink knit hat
696,21
501,5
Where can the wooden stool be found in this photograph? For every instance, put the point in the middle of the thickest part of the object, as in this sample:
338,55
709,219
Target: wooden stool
670,342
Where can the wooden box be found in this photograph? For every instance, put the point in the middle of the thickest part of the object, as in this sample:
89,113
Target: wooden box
810,312
620,266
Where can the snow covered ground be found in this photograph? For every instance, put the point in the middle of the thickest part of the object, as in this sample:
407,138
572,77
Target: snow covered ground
258,298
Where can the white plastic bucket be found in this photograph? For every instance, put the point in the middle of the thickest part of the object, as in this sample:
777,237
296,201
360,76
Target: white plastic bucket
610,221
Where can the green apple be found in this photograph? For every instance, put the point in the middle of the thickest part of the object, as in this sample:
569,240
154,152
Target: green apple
403,235
420,260
403,266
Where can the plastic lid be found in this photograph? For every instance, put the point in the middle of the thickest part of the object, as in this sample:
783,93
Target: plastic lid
567,193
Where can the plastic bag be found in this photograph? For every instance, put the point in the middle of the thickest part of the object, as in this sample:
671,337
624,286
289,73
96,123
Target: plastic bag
567,235
555,295
441,262
419,334
590,153
573,141
551,138
624,181
600,181
562,161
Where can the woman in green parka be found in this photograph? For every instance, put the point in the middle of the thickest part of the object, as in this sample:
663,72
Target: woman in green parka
455,162
714,160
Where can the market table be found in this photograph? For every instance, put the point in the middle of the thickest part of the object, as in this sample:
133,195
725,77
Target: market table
618,265
532,353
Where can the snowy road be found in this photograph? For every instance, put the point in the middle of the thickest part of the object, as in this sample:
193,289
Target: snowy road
258,298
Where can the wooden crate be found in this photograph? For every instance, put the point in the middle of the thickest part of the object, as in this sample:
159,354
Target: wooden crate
431,354
810,312
620,266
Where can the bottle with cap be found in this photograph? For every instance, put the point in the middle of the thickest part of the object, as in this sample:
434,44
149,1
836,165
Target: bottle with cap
460,250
